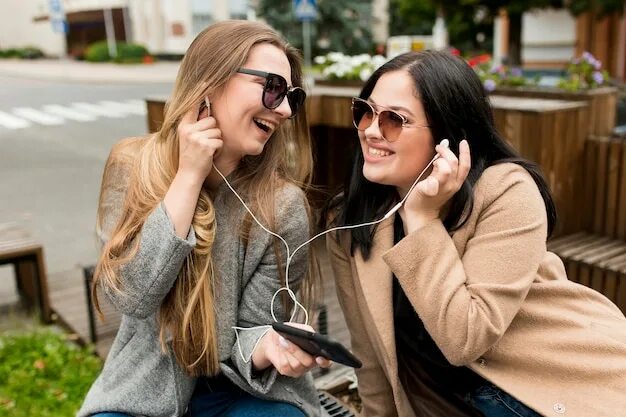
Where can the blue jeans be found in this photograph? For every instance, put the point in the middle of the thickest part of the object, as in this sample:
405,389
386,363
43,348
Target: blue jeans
221,398
493,402
224,399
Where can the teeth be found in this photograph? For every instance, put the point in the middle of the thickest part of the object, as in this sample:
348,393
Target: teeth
267,124
378,152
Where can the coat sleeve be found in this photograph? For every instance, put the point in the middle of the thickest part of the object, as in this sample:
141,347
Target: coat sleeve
374,388
467,303
149,275
255,305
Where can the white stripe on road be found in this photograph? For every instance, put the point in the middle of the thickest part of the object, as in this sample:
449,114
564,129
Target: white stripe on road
38,116
55,114
11,122
68,113
138,104
98,110
129,106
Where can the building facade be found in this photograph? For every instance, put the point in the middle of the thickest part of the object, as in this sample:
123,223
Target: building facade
164,26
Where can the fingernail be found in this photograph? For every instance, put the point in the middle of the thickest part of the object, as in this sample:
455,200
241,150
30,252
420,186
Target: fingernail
284,343
320,361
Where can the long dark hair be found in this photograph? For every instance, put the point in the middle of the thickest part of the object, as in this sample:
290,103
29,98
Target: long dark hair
456,108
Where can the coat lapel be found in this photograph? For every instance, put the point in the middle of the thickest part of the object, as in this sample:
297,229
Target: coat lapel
375,279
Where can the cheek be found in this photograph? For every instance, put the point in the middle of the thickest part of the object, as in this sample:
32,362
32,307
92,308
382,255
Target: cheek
362,140
415,157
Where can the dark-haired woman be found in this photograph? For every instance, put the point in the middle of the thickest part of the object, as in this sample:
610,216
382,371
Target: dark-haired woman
454,304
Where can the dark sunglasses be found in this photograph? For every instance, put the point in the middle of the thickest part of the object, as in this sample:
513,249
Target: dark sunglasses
275,90
390,123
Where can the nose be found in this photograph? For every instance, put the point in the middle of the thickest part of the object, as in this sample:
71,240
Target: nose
283,109
373,130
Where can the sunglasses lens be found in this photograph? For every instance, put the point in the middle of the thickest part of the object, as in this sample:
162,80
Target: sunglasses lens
390,124
296,98
362,114
274,91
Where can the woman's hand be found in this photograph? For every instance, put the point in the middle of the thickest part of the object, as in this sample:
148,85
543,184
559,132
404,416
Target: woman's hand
199,142
286,357
430,195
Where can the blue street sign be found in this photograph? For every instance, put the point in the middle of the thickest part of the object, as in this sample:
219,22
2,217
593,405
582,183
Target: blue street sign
59,26
57,16
305,9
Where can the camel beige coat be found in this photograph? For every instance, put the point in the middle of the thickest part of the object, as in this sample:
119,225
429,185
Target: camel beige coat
493,299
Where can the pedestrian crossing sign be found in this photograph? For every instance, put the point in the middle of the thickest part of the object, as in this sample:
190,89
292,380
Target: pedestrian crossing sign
305,9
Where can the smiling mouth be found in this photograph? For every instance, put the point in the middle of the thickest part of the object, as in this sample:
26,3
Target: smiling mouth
378,152
263,125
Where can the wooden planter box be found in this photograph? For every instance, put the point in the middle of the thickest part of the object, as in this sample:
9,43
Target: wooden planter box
602,103
549,132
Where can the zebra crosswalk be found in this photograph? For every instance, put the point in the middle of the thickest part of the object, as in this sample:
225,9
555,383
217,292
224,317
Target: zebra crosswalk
59,114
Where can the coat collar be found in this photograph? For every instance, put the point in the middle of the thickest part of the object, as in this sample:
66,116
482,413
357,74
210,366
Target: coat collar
375,278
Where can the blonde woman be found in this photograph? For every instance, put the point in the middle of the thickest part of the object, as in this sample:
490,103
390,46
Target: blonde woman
182,259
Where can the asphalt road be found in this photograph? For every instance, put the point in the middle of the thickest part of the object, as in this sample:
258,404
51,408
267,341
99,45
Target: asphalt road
54,140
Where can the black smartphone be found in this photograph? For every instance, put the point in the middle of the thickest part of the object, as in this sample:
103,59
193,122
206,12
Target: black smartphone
317,344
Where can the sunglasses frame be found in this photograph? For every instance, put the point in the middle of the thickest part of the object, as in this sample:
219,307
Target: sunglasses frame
288,93
376,113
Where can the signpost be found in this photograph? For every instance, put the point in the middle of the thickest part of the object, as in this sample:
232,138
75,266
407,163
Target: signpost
306,10
109,28
57,16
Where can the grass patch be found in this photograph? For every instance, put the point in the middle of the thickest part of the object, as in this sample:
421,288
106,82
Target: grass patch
43,374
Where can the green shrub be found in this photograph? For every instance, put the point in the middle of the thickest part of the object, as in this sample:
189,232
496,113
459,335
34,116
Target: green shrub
98,52
44,374
130,53
126,52
10,53
30,52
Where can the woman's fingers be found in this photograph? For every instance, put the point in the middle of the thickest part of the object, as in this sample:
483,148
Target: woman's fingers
207,134
291,360
190,117
465,161
323,362
429,187
297,357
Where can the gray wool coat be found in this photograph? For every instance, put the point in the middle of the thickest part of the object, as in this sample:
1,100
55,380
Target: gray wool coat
141,380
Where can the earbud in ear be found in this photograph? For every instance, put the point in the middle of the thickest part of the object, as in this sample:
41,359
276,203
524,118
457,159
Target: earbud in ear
445,143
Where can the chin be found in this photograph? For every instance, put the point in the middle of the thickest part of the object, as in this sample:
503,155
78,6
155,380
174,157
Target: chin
255,150
373,176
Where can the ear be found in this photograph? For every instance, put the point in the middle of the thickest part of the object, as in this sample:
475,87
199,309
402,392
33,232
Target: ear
204,109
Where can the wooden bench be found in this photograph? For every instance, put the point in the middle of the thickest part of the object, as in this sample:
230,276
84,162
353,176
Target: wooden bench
18,248
102,330
596,256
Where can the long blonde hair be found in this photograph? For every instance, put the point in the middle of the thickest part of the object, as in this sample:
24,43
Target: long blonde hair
187,312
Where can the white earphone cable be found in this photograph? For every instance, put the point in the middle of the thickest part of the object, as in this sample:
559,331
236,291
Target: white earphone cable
297,304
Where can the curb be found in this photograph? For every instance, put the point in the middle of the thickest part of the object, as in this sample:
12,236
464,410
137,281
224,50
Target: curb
83,72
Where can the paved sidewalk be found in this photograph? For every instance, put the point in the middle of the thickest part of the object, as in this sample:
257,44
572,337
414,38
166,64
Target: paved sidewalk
80,71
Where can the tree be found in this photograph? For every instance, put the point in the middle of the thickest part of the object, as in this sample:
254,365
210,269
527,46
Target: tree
516,8
341,25
469,29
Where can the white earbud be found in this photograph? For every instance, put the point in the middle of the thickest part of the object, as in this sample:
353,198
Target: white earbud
445,143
